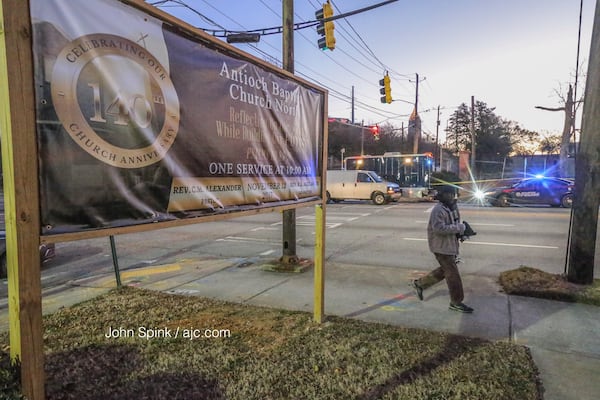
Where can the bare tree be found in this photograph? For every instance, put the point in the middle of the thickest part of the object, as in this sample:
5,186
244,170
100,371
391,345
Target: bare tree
567,130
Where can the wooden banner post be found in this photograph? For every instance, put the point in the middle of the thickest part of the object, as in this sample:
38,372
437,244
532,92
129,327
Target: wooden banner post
21,196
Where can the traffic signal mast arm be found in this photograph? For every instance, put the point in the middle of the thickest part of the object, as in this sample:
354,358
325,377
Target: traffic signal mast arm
300,25
325,20
360,10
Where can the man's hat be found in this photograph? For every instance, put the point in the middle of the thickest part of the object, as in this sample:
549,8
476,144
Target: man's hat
447,189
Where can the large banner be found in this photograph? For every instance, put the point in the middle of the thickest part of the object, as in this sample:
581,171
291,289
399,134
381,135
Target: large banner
140,121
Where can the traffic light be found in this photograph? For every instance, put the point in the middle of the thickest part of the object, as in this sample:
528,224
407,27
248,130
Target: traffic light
385,89
325,29
375,131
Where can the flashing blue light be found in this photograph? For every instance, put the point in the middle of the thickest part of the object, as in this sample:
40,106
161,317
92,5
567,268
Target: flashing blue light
539,176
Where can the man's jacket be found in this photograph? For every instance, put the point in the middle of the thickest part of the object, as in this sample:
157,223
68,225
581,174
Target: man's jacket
444,224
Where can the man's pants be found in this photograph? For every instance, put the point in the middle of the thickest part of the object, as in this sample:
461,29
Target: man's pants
448,270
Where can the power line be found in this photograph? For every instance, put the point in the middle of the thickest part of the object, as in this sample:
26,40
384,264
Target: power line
366,46
334,93
340,95
181,3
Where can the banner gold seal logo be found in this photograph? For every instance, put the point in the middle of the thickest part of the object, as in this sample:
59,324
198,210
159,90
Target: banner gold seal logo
116,100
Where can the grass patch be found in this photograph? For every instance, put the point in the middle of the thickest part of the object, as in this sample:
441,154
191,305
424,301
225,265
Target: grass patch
527,281
270,354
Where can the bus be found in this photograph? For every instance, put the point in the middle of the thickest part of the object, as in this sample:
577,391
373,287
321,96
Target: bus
411,171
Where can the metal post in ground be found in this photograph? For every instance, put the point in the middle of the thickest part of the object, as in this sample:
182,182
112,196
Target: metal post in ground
113,250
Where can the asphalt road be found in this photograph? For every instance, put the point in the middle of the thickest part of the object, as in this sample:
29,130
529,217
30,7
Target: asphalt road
360,233
357,233
395,235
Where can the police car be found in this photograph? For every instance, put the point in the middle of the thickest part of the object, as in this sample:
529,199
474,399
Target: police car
556,192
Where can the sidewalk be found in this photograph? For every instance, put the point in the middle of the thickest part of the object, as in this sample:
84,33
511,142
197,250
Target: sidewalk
564,338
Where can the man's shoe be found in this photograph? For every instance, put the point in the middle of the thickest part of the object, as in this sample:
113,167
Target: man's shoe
460,307
418,289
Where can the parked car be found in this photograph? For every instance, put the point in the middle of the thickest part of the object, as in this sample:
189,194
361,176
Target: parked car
556,192
362,185
47,252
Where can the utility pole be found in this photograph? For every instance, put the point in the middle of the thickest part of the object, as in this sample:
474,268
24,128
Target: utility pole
473,172
582,247
437,132
417,95
352,119
417,134
402,137
573,117
289,216
362,137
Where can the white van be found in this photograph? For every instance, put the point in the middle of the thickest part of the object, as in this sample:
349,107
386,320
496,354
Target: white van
359,184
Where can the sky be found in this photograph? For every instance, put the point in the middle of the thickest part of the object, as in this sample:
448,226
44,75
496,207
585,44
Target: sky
513,55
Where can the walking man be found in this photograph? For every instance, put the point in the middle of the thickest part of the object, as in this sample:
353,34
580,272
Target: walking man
443,231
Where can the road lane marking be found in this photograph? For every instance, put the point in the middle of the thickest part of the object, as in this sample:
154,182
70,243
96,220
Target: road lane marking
159,269
329,225
534,246
420,221
246,240
344,213
514,245
336,217
480,224
390,207
333,220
